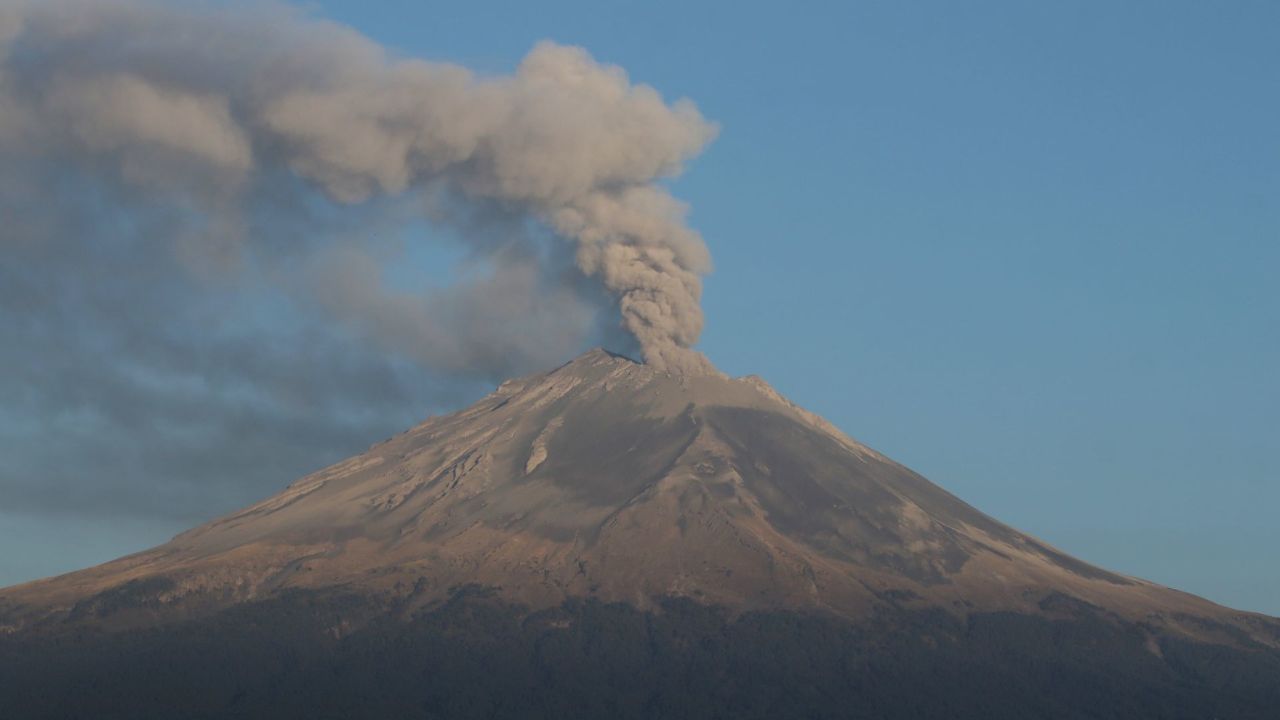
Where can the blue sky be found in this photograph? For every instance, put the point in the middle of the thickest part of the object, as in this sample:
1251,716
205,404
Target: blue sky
1028,249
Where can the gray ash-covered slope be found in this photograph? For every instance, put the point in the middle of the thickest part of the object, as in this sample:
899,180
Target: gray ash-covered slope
610,541
609,480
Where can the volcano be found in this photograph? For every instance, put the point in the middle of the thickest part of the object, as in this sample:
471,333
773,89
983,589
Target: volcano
610,540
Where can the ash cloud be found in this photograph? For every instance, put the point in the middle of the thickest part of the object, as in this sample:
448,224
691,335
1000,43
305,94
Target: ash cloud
212,217
198,104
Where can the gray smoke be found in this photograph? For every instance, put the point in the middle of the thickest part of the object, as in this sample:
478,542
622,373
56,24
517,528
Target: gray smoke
196,108
237,243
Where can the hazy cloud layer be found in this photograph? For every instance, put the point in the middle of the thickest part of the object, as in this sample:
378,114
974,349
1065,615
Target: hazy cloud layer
222,226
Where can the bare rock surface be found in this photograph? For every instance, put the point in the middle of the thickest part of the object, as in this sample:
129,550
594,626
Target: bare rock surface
608,479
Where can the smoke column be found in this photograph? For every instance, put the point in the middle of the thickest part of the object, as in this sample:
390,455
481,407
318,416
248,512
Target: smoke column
209,125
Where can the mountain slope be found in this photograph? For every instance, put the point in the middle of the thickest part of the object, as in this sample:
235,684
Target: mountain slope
607,479
605,540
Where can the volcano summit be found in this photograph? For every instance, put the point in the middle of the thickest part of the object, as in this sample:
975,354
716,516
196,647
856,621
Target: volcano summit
611,540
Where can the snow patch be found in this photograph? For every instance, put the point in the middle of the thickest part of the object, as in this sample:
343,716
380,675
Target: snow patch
538,452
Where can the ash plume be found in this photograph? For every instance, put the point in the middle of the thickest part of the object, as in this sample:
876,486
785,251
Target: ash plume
240,241
197,105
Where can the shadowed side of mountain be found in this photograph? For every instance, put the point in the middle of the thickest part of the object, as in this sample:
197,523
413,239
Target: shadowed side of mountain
473,655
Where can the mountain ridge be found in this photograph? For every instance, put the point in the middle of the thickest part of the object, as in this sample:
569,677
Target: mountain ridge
607,479
606,540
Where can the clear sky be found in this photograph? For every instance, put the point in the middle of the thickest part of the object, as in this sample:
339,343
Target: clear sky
1028,249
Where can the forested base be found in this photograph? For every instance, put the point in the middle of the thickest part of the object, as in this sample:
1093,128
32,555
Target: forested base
476,657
